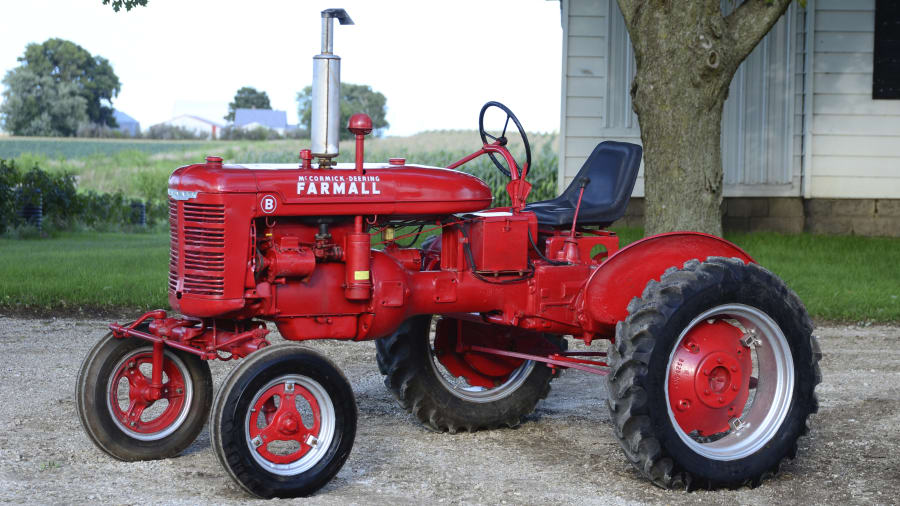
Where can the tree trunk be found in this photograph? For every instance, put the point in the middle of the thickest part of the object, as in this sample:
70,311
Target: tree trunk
682,160
686,55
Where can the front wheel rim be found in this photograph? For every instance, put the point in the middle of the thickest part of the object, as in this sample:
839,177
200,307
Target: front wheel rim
763,415
285,425
127,402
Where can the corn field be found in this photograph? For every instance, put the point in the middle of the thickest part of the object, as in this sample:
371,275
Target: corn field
140,169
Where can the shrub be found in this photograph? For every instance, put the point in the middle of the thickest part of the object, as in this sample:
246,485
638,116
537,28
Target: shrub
97,131
259,133
173,133
9,180
297,134
63,206
57,193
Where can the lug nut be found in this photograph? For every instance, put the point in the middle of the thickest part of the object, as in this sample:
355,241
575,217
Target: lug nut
179,391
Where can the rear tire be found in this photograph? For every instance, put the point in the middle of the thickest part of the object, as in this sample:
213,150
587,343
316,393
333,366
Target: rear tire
407,361
690,347
109,382
284,422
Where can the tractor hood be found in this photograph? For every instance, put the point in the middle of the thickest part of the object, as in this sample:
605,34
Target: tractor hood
381,188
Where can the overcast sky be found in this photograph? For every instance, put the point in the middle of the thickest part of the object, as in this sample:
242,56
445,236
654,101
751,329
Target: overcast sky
436,62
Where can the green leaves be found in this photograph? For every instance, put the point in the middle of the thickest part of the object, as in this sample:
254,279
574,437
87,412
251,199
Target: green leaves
247,98
64,208
128,4
39,105
354,98
58,85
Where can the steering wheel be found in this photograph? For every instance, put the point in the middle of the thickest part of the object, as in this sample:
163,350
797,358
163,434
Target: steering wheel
502,138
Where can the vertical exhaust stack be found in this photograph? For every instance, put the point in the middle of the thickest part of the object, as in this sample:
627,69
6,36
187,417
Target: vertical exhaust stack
326,92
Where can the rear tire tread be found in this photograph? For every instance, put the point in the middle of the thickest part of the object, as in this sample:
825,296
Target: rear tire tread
629,359
404,377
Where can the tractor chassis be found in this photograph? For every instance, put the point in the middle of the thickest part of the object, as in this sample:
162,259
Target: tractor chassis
211,343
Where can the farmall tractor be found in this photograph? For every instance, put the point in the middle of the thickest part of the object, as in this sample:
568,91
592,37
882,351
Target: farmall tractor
711,366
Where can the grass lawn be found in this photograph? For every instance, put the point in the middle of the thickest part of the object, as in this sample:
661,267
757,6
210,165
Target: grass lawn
84,271
838,278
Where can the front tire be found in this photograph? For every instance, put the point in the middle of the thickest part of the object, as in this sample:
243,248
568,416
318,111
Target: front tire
284,422
712,376
445,403
116,415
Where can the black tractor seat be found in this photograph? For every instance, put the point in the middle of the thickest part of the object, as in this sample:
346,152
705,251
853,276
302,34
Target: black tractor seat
609,174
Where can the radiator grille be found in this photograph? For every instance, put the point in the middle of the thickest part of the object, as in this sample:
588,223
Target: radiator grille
203,237
173,245
204,213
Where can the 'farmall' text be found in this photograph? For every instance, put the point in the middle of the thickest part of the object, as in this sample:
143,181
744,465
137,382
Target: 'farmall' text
338,185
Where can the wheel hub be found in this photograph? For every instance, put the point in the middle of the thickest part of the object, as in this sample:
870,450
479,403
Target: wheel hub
709,379
285,424
720,378
288,425
134,414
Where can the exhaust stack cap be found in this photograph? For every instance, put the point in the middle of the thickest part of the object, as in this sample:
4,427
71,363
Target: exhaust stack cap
327,15
326,92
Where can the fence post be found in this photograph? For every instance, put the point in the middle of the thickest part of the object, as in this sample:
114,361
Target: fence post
139,212
33,214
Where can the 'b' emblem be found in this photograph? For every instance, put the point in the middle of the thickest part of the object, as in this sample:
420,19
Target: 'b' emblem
268,204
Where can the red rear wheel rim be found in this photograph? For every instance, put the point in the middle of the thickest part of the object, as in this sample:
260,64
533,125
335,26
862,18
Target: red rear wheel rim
709,380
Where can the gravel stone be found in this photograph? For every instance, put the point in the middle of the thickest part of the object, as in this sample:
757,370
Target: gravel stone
564,453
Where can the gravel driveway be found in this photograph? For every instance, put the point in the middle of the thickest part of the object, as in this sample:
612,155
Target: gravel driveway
565,453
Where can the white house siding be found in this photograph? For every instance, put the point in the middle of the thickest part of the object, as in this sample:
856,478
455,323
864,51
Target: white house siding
763,114
762,123
588,116
855,139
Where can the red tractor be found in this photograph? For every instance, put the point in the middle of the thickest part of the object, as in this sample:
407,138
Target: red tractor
711,366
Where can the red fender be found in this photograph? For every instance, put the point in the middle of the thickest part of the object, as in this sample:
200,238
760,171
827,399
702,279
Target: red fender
625,274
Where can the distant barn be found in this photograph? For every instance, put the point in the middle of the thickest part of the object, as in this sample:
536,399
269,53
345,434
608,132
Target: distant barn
268,118
196,124
126,123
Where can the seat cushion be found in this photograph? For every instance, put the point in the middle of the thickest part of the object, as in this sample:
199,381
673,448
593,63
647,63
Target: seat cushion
608,176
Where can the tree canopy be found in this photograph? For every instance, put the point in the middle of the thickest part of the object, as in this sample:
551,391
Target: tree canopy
128,4
354,98
39,106
58,84
247,98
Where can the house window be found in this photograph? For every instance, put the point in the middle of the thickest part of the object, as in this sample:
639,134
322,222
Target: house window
886,64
